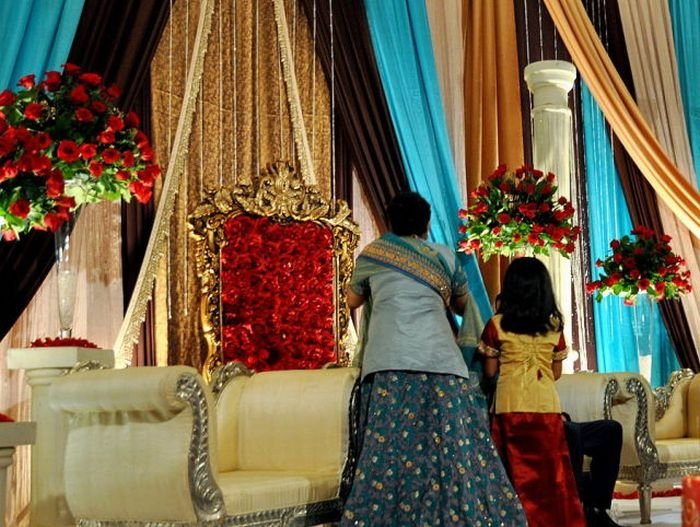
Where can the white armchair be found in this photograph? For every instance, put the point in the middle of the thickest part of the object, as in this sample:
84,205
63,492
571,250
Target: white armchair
661,428
147,446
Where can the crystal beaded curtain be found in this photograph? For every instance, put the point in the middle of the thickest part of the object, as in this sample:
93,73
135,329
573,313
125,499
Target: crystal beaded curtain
540,41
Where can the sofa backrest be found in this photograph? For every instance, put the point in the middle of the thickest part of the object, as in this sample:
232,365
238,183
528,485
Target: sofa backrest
295,420
693,410
673,424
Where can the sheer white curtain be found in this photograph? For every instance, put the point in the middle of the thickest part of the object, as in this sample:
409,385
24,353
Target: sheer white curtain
446,19
649,39
98,314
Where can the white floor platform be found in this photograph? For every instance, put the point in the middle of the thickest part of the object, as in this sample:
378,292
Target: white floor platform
665,512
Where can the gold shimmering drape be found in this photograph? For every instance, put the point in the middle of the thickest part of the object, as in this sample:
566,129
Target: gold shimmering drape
242,122
494,132
622,113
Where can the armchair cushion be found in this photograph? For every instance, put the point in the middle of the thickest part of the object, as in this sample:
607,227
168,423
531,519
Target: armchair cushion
693,421
673,423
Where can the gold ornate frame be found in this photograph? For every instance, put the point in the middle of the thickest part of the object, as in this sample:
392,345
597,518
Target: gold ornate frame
280,193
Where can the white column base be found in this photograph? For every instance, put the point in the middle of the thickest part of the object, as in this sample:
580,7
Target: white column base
48,507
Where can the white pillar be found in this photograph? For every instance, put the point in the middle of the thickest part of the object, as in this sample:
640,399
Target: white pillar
550,82
11,435
48,507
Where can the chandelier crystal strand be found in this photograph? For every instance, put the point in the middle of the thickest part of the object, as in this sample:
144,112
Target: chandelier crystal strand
293,99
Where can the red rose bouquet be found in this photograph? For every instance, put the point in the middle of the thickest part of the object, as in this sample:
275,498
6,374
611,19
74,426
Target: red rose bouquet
517,211
641,265
64,143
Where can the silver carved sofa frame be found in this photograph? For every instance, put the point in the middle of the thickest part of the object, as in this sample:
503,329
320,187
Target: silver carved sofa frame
628,398
179,391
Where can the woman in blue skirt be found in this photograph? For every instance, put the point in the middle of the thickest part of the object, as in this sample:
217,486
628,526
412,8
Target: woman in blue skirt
426,458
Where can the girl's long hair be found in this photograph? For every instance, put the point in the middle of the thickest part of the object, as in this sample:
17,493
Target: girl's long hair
527,300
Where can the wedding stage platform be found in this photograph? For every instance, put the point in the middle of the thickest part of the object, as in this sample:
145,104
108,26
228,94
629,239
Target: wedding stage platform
665,512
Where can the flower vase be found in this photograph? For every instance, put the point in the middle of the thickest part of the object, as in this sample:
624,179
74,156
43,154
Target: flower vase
644,332
67,255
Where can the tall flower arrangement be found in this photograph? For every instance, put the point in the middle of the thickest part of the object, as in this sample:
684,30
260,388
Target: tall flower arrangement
64,143
643,264
515,212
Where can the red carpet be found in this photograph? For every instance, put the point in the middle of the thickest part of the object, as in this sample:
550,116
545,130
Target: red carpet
655,494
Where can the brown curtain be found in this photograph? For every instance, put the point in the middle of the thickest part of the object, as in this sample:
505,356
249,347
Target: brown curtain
640,196
363,114
118,38
115,38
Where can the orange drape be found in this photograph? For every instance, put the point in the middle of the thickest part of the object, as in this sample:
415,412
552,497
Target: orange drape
622,112
494,132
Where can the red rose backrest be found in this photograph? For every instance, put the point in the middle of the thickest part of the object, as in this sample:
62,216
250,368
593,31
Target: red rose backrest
273,259
277,305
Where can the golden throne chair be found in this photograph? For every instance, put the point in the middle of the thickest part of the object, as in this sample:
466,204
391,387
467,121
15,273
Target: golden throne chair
273,257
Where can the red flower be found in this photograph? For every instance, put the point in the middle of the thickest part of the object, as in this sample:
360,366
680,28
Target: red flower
110,155
107,137
55,183
642,265
33,111
96,168
27,82
52,80
142,192
6,98
87,151
67,151
91,79
132,120
20,208
84,115
79,95
503,218
115,123
41,154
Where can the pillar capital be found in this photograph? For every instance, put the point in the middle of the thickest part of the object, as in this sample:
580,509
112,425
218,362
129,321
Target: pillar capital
550,82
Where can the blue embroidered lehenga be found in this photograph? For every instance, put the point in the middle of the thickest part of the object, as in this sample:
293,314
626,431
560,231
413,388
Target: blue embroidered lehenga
426,458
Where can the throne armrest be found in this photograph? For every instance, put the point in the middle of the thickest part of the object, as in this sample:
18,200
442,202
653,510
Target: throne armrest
138,445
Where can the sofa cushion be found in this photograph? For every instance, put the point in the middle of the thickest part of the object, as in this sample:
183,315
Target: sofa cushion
693,421
672,425
248,491
675,450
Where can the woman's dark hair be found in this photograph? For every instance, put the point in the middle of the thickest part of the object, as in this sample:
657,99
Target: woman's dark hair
408,214
527,300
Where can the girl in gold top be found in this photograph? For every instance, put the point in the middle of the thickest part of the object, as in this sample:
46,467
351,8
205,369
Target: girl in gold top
524,344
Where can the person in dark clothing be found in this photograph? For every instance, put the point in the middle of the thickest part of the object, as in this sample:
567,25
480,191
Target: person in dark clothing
602,441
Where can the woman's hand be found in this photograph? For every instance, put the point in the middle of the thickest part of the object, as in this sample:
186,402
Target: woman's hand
458,303
354,300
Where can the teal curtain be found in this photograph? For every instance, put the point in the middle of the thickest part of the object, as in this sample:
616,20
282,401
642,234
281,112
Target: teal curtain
685,18
402,44
36,36
609,218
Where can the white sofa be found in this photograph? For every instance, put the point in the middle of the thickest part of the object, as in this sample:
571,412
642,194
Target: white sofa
661,428
148,446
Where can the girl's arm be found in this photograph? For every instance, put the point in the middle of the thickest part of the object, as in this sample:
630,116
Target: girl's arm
557,368
490,367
